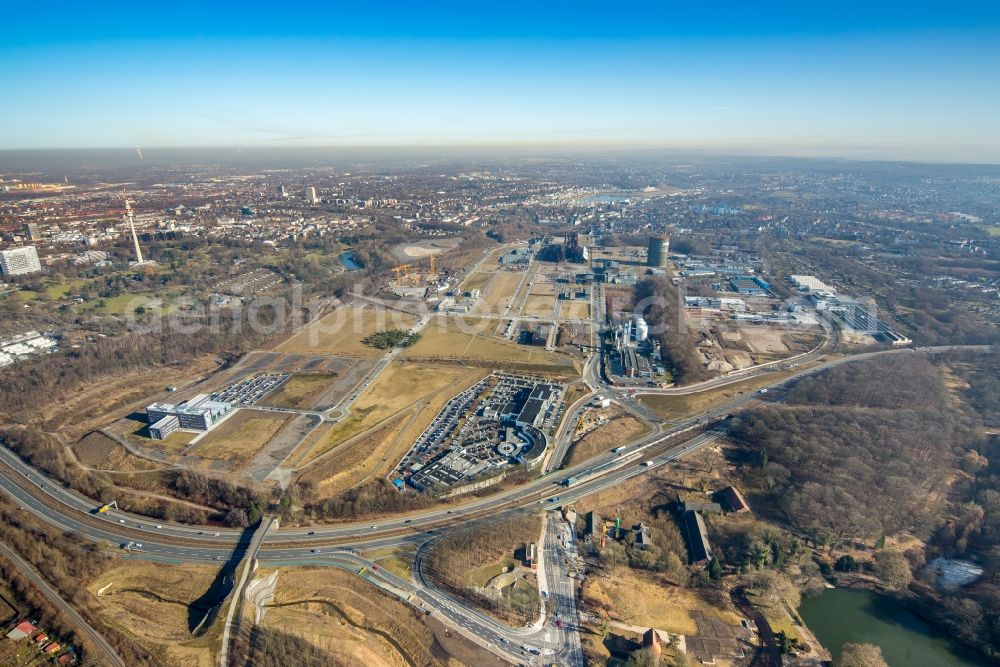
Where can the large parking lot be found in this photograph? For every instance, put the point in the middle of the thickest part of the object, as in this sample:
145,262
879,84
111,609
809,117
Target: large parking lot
476,431
250,389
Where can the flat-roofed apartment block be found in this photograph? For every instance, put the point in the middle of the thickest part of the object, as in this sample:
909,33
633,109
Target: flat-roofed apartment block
18,261
197,414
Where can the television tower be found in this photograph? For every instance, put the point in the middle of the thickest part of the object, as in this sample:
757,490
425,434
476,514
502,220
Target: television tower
131,224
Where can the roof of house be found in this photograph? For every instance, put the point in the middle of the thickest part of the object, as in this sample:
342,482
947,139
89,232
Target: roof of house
733,500
21,630
697,537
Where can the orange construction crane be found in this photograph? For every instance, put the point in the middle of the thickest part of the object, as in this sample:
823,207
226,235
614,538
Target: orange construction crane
401,271
433,265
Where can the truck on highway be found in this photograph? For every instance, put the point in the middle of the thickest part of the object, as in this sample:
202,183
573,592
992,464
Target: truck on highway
648,464
104,509
569,481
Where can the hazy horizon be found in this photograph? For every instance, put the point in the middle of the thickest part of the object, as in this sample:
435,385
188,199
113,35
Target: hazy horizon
41,159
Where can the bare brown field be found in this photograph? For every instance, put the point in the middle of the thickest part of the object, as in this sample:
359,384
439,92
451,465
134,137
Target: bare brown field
417,250
346,465
576,310
134,432
402,387
539,305
471,339
501,292
476,280
340,332
301,391
617,431
96,450
764,340
351,620
149,602
645,599
240,437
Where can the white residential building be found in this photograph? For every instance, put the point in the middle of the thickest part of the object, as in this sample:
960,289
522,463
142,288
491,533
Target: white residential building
18,261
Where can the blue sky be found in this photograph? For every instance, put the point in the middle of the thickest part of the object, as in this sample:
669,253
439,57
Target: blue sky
875,79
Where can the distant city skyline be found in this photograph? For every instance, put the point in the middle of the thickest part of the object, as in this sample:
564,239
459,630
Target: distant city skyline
879,80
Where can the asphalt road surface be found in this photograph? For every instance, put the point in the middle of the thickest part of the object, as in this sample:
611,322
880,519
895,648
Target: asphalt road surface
67,510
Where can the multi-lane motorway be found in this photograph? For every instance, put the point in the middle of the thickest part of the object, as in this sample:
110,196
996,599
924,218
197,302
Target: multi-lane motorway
337,545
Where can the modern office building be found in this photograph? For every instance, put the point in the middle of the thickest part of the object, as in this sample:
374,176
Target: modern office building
32,232
198,414
656,254
281,191
311,195
18,261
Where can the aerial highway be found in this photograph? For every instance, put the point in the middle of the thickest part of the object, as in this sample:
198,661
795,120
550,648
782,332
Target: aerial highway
340,544
70,510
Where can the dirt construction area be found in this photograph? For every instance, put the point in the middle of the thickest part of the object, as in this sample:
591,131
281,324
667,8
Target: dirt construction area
764,340
575,310
410,251
151,602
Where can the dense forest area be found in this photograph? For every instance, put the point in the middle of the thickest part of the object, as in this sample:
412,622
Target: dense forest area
836,475
882,448
981,374
891,381
658,301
